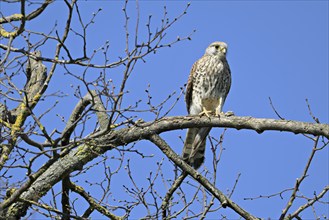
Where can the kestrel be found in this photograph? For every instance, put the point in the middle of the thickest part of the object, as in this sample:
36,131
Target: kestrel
207,87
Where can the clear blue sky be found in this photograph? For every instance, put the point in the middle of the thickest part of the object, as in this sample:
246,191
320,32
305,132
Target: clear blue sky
276,49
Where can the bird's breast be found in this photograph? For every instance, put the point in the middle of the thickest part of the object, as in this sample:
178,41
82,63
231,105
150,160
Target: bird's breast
211,82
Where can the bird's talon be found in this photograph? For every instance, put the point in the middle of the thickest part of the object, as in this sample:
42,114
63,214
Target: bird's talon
205,112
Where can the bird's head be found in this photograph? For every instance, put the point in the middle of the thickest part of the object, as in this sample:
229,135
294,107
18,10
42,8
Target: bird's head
217,49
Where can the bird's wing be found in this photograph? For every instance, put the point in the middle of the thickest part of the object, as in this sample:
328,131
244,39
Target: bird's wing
229,77
189,87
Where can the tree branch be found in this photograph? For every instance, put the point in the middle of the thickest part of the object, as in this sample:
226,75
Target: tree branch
225,201
79,190
257,124
19,30
175,185
36,74
309,203
34,14
92,148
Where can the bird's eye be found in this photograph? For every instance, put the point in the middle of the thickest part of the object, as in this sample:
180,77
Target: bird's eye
217,47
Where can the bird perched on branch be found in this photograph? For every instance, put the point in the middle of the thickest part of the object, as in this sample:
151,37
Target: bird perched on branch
207,87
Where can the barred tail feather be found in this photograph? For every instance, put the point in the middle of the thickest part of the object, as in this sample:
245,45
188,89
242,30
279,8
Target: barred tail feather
195,145
197,159
199,147
190,136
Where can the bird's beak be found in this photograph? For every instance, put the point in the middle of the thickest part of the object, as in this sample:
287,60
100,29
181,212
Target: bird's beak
223,50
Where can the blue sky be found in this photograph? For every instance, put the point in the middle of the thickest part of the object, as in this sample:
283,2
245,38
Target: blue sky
276,49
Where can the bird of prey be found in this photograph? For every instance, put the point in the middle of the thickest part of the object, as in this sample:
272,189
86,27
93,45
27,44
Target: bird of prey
207,88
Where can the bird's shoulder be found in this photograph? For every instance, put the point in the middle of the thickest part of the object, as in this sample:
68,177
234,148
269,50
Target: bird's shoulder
202,62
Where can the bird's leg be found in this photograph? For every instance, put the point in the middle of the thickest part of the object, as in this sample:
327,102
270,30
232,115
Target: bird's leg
205,112
219,107
218,112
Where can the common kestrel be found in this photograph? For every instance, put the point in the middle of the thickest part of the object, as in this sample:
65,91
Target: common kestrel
207,87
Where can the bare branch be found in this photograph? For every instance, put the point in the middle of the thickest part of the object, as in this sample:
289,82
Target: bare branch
32,15
257,124
276,112
79,190
105,128
21,27
300,180
225,201
309,203
170,192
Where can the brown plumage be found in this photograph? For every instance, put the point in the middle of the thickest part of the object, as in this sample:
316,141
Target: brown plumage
207,87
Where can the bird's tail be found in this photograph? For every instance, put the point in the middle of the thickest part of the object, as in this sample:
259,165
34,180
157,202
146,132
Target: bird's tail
190,136
195,145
